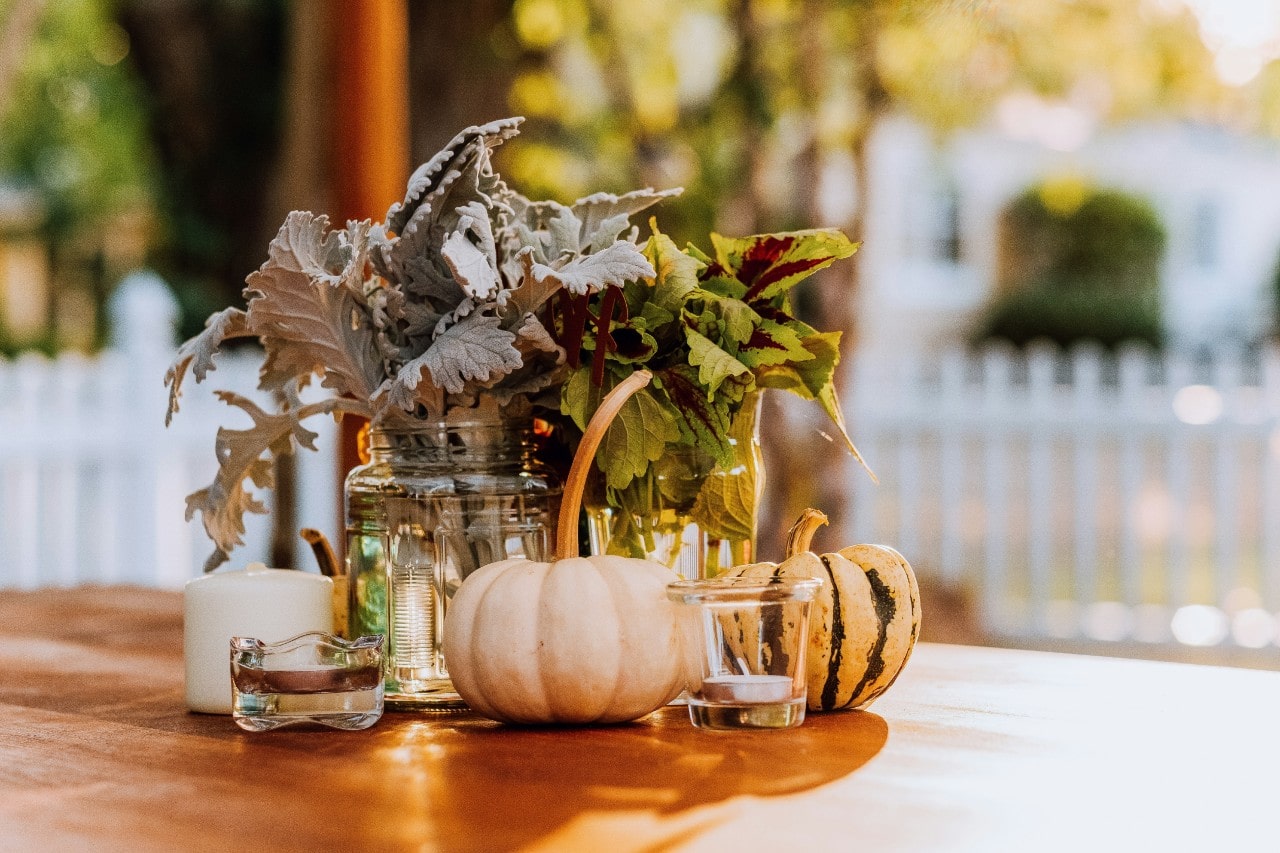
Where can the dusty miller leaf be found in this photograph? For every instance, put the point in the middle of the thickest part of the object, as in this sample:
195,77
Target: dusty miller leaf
197,353
474,264
223,504
307,314
599,212
532,293
430,175
476,348
617,264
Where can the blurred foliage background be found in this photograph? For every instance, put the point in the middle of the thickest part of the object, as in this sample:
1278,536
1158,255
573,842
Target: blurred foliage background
168,125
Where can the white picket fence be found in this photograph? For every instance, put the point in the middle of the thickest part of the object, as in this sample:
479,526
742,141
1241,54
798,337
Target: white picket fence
1081,494
92,484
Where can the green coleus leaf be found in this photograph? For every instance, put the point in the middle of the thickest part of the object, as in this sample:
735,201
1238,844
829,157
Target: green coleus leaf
638,436
740,320
702,422
768,265
676,274
578,398
714,364
655,317
814,379
807,378
726,506
773,343
634,343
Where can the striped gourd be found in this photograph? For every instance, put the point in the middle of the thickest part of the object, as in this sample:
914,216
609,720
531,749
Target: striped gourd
864,622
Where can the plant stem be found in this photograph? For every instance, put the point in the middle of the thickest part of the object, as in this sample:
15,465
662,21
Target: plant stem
571,501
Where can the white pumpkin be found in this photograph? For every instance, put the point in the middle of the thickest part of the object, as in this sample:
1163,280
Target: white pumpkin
577,640
585,640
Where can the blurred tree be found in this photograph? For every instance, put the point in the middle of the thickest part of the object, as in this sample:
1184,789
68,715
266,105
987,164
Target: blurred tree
462,58
213,72
73,130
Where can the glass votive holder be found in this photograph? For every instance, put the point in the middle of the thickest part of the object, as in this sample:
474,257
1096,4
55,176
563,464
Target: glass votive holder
744,643
311,678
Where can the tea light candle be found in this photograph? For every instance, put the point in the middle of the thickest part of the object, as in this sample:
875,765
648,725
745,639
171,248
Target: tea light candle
269,604
747,689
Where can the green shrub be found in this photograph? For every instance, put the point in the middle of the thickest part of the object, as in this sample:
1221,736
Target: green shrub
1077,263
1071,313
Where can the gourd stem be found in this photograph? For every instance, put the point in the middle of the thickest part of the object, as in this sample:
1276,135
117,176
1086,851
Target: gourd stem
801,533
571,502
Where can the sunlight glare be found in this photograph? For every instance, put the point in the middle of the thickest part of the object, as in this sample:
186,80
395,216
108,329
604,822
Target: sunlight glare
1197,405
1244,35
1199,625
1253,628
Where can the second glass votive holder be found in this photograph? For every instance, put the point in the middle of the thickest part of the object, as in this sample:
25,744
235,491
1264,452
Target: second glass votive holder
311,678
744,642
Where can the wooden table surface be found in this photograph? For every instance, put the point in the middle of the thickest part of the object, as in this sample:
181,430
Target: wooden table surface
973,749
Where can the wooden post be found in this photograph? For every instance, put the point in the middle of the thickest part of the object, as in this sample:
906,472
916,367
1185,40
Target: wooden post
371,126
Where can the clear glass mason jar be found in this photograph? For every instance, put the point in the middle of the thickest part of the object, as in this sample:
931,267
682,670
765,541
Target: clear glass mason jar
433,504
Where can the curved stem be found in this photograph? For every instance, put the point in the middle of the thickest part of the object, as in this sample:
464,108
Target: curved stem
801,533
571,502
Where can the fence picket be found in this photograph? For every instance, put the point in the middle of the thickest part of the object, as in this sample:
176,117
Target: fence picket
951,471
1134,363
1086,374
1040,386
1269,509
1178,375
996,365
1226,512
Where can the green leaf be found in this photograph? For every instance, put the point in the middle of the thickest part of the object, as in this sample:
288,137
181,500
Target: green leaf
773,343
701,422
714,364
655,316
637,437
769,265
815,380
810,377
740,319
676,274
726,504
576,397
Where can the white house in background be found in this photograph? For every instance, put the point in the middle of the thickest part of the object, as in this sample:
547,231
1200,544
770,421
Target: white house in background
930,245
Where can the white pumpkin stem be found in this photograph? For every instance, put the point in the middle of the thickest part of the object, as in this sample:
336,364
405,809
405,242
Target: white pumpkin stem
801,533
571,501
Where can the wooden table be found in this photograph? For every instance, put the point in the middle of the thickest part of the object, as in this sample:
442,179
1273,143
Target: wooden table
973,749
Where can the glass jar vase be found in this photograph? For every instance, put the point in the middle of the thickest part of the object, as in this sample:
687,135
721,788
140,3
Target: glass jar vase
433,504
687,512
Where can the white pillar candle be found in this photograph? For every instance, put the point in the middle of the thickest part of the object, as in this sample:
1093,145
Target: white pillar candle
270,604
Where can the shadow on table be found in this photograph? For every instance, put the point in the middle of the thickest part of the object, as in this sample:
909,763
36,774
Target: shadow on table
658,767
